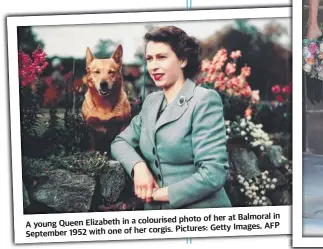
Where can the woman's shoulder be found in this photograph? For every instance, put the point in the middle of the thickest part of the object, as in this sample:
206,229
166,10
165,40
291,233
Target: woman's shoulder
202,93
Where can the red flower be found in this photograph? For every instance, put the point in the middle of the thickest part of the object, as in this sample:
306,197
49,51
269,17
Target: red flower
275,89
286,89
279,98
30,68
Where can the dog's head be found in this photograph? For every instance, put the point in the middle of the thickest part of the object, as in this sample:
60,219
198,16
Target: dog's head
104,74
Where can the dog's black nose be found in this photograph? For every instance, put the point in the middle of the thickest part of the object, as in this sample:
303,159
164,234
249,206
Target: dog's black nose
104,85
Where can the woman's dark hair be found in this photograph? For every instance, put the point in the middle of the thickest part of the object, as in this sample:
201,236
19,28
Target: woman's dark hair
184,46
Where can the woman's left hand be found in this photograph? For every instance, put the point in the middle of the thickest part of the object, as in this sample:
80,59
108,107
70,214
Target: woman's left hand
161,194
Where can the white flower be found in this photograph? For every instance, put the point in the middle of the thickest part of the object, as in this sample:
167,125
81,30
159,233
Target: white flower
274,180
272,186
243,124
243,133
307,68
262,147
228,130
262,192
248,117
267,186
227,122
306,52
263,198
321,47
255,202
227,137
242,190
246,138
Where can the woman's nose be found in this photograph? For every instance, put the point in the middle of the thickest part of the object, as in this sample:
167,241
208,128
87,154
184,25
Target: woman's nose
153,65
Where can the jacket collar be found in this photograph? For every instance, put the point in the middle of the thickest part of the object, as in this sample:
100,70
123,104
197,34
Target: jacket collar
173,111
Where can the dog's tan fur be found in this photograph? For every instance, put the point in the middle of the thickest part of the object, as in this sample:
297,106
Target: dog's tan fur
105,115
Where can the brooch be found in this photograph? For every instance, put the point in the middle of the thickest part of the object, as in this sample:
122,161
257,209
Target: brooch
181,100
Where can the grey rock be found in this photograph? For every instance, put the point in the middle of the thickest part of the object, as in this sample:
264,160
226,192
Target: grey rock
274,154
65,191
245,162
25,196
112,182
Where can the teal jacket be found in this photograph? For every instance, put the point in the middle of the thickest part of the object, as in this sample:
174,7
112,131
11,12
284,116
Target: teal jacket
185,149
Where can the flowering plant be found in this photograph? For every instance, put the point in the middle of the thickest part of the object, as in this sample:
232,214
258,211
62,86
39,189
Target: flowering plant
30,70
250,133
221,74
313,57
282,93
255,189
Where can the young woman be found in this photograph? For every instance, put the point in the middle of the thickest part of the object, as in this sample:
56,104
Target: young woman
180,131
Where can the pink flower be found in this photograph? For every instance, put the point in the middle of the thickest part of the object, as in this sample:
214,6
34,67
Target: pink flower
275,89
312,47
255,96
230,68
279,98
286,90
235,54
246,71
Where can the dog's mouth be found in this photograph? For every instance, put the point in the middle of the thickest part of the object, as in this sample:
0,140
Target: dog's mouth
105,92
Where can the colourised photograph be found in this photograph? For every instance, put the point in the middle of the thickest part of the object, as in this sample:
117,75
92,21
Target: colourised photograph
154,116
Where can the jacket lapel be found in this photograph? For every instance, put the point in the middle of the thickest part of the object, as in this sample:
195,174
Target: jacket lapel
153,111
177,108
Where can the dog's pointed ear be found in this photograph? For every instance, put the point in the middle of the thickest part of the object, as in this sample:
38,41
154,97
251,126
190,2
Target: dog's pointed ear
89,56
117,55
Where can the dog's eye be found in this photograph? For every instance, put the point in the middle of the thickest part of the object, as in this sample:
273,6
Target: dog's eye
111,72
96,72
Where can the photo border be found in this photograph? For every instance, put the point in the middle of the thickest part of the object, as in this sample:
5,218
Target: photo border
297,211
139,17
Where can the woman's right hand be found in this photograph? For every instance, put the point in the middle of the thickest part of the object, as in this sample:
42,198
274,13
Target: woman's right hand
144,182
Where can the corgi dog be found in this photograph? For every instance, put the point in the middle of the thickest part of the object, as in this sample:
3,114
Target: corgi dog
105,109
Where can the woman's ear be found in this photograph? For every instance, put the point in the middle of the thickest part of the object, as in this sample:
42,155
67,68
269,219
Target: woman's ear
183,63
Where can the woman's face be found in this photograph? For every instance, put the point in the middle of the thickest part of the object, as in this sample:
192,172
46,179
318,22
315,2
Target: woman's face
163,65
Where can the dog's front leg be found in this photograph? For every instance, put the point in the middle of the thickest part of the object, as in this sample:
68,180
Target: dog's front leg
92,141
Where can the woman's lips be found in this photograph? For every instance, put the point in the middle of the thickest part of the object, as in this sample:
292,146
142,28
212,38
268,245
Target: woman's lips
158,76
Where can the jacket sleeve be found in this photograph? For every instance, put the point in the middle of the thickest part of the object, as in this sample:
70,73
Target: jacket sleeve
210,154
123,146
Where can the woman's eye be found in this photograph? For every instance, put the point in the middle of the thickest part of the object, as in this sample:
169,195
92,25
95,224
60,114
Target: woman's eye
148,59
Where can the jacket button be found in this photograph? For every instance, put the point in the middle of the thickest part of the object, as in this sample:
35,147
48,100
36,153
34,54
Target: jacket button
159,177
156,164
154,151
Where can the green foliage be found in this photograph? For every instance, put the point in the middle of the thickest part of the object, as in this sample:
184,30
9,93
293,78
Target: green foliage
27,39
29,114
89,163
103,48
